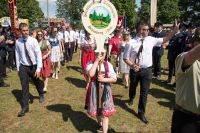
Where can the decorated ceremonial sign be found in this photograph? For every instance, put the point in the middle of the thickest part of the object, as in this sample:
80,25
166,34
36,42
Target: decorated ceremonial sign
13,16
99,19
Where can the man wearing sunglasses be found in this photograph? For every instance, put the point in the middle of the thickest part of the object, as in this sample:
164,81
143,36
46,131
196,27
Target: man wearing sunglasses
29,64
138,55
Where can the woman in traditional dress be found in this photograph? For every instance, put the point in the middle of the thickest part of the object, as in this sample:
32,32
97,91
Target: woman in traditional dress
87,48
106,76
114,48
56,52
46,51
123,67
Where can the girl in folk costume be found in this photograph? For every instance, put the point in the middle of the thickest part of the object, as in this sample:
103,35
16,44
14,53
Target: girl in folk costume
102,110
114,48
123,67
87,48
56,52
46,51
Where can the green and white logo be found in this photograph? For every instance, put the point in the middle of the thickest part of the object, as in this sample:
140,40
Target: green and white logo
99,19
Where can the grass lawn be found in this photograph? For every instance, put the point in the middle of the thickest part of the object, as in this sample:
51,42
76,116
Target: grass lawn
63,109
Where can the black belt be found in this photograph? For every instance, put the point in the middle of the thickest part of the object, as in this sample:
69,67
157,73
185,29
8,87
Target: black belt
28,66
143,69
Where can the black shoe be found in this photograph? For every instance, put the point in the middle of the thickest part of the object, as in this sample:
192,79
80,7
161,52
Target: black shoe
31,99
130,102
4,85
143,118
41,99
22,112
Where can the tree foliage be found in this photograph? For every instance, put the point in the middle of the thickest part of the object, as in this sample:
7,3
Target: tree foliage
189,10
126,8
144,11
70,10
26,9
168,11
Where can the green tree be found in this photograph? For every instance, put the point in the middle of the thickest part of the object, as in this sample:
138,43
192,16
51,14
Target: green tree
108,19
26,9
168,11
94,16
126,8
70,10
3,8
144,11
189,10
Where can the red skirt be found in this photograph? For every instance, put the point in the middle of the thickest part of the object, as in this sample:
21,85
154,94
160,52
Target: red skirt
88,56
46,66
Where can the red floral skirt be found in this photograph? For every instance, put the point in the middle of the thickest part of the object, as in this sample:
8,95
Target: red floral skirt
46,66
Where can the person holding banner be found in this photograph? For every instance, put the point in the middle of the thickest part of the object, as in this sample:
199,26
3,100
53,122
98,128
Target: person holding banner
106,76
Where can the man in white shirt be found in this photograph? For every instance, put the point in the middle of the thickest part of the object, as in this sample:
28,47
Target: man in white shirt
72,38
29,64
76,41
138,55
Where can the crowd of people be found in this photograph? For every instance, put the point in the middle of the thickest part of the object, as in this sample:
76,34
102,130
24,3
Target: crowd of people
137,57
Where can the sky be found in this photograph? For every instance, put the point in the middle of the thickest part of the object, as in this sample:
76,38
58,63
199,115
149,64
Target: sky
100,10
52,7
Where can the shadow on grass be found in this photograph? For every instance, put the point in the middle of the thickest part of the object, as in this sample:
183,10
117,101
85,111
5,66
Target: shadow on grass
79,119
76,68
77,82
162,84
122,104
159,94
18,95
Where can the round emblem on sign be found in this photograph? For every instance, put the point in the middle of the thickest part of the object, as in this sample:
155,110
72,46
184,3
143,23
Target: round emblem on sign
99,18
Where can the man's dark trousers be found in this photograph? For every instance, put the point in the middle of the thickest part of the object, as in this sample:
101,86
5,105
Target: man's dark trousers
71,50
157,55
26,72
66,54
1,70
145,78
